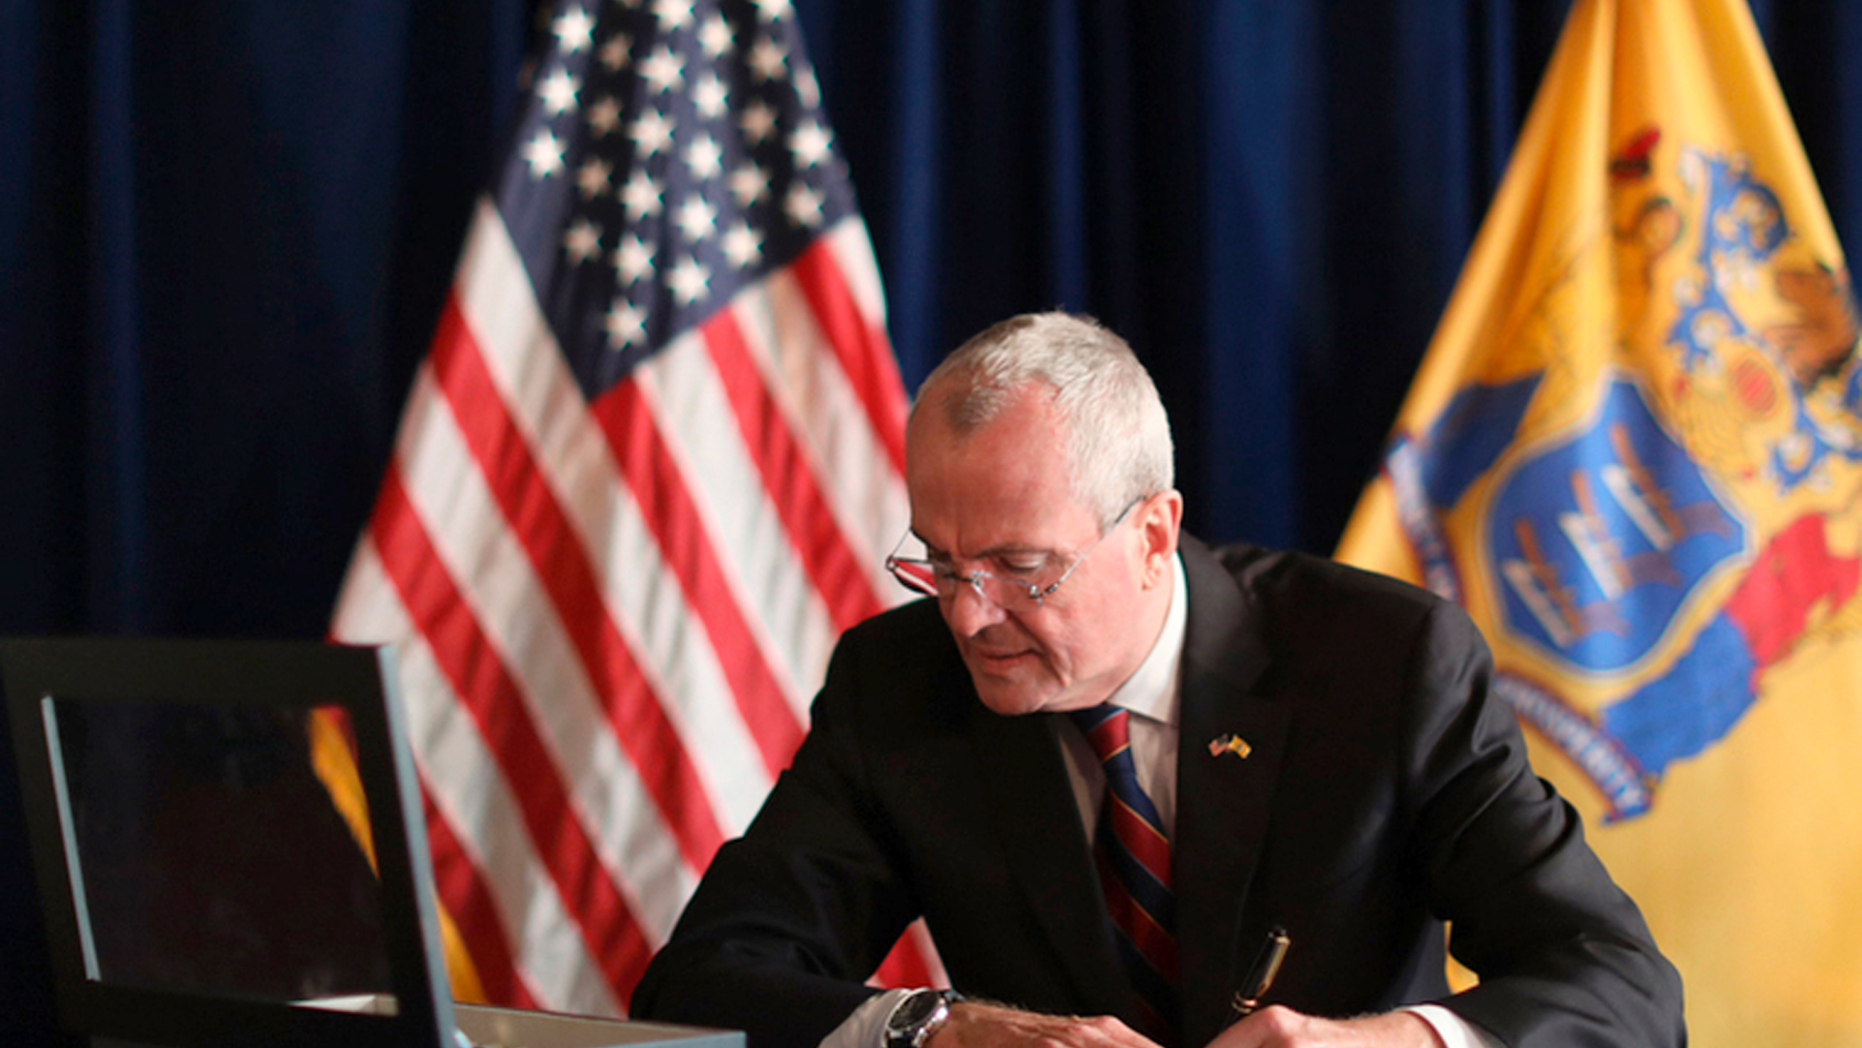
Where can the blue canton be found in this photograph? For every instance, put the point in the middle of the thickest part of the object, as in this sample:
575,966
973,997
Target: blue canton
671,152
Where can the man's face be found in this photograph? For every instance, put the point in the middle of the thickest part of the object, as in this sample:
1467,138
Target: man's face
997,499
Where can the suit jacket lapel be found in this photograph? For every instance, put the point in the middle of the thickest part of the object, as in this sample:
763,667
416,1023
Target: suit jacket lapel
1223,796
1028,784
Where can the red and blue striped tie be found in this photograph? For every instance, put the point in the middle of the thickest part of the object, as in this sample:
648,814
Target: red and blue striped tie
1134,868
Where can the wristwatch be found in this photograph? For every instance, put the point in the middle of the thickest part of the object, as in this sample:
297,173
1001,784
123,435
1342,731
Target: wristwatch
916,1017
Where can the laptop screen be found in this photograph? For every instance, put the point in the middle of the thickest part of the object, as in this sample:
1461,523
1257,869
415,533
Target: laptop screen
208,855
222,833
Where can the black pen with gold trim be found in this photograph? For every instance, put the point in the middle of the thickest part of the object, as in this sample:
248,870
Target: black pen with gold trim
1261,976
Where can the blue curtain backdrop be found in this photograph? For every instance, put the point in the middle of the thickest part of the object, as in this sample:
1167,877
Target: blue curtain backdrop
225,230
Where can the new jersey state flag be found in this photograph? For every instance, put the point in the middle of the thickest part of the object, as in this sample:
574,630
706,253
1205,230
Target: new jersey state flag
1634,453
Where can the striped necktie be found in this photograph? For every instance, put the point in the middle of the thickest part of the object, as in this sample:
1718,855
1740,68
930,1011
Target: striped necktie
1134,869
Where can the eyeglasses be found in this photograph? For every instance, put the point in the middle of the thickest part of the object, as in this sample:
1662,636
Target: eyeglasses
1007,590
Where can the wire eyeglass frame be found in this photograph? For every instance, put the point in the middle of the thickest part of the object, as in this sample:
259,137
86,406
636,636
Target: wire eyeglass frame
927,577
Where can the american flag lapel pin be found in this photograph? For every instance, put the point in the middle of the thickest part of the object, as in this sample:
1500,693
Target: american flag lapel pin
1229,743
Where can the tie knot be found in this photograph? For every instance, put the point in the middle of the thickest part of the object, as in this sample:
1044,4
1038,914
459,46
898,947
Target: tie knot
1106,727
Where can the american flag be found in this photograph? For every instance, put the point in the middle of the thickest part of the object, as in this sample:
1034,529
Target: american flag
645,477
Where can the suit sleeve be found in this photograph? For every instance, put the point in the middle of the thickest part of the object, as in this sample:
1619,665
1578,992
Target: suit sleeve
791,918
1563,954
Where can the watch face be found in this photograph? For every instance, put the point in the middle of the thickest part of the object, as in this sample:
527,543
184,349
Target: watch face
914,1009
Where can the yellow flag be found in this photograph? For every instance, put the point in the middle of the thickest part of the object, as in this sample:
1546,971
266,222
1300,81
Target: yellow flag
1634,453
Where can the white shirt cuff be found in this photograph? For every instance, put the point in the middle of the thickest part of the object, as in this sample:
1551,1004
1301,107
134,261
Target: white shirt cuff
1454,1031
863,1028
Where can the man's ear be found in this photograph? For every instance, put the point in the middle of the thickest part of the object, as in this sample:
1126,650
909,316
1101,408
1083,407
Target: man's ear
1159,518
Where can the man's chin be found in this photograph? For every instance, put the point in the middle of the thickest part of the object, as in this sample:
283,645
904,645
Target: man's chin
1010,697
1012,703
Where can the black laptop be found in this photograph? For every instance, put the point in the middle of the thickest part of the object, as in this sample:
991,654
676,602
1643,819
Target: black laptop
201,888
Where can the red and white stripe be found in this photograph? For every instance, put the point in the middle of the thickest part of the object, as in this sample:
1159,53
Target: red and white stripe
612,615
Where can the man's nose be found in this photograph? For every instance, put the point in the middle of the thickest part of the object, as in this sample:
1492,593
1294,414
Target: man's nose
969,612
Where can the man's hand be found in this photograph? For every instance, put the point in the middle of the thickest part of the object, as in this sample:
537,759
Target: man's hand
979,1024
1278,1027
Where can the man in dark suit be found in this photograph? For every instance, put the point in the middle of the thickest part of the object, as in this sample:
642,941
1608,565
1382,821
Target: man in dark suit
1318,746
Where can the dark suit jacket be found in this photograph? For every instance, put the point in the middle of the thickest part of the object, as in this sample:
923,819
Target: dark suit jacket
1387,791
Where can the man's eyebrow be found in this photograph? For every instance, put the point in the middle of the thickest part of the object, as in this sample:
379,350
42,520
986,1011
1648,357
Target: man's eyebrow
1005,549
